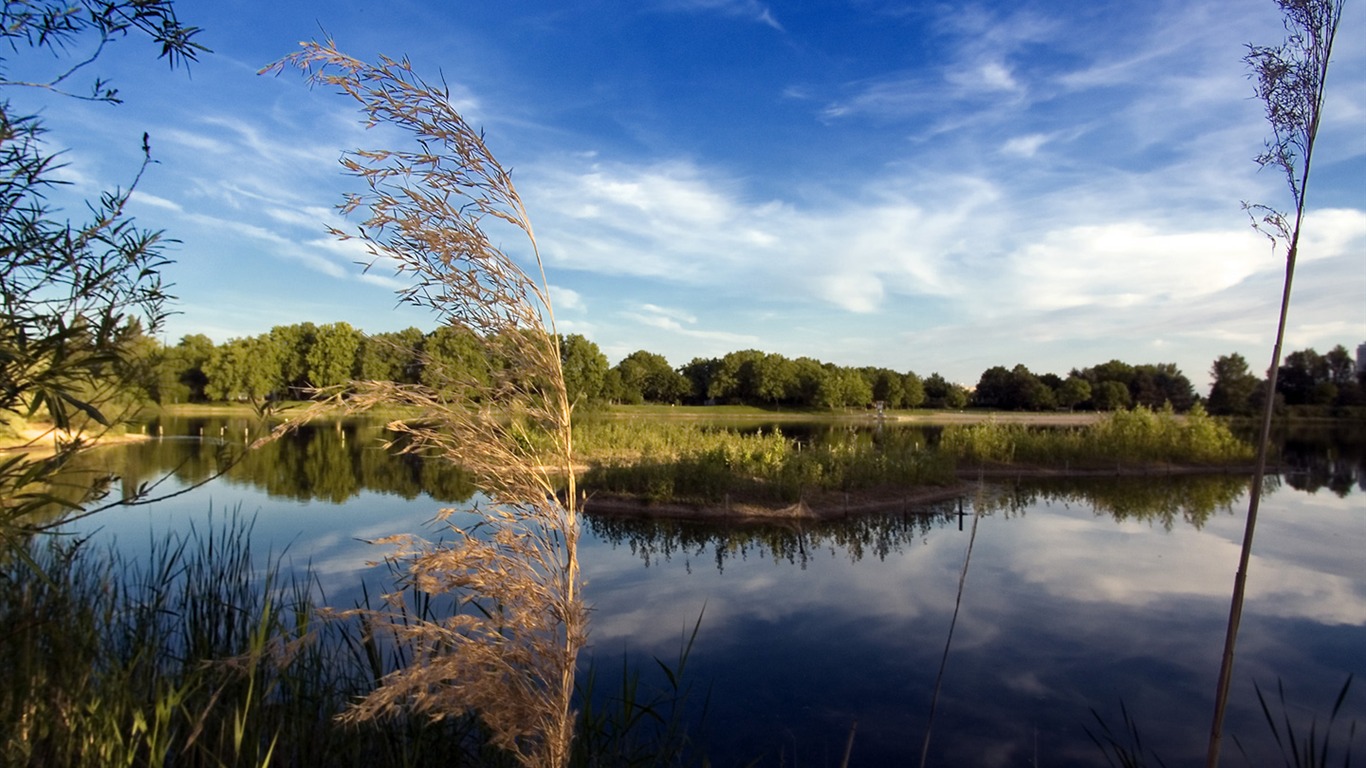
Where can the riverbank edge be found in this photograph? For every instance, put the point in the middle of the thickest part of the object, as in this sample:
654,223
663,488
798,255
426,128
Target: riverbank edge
38,442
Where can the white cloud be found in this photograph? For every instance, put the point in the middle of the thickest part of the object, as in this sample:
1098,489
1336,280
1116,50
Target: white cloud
1333,232
987,76
680,315
144,198
680,323
1024,146
751,10
679,223
1129,263
897,95
312,217
566,299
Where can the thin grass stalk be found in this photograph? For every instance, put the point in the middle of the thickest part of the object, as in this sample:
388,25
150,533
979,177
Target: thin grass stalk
948,642
509,654
1291,79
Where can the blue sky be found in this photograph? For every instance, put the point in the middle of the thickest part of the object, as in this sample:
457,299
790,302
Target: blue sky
940,187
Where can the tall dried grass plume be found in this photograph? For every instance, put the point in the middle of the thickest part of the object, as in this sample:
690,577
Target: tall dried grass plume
508,654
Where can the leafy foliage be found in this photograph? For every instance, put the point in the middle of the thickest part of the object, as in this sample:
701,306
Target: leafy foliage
71,294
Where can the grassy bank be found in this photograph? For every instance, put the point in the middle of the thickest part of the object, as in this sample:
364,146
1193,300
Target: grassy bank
191,658
664,461
1123,439
686,462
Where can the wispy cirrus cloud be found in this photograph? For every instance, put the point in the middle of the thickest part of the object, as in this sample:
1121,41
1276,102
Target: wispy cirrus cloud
683,323
750,10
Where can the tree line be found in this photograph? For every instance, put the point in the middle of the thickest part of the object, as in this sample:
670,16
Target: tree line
290,360
1304,378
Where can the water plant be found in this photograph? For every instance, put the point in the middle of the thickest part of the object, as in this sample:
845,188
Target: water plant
502,414
1297,747
191,656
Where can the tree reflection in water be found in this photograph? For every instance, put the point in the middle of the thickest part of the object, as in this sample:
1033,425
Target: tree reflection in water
1189,499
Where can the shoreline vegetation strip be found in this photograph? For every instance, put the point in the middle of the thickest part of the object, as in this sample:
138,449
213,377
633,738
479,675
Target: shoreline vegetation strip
687,469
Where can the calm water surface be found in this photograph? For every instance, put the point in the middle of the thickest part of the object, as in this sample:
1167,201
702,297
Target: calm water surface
1079,598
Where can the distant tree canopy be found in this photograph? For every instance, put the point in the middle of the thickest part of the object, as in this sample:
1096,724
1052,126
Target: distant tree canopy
585,369
289,360
1235,389
1308,378
1109,386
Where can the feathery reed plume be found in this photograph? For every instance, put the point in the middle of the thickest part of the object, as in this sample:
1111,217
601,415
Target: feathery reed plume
500,412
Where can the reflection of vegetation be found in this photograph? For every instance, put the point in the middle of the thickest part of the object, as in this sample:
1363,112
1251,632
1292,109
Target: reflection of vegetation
333,461
858,536
1191,499
1324,456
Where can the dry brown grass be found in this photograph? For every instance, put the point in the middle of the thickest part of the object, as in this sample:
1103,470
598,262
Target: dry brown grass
509,657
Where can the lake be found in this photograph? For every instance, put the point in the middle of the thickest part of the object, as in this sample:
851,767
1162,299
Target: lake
1080,599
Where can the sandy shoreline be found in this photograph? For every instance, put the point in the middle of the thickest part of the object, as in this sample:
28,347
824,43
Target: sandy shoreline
39,441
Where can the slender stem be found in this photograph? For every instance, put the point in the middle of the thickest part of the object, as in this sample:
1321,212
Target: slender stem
948,642
1235,613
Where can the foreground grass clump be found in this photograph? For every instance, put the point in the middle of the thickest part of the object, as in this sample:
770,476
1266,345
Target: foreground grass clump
192,657
196,656
1123,439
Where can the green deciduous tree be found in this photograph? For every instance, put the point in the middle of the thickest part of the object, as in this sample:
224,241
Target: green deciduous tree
391,356
1234,386
699,372
183,366
941,393
453,352
585,369
889,387
913,391
994,389
245,369
650,376
1073,391
292,344
331,359
809,378
1110,395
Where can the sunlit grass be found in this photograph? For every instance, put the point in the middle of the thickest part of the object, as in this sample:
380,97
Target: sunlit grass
686,461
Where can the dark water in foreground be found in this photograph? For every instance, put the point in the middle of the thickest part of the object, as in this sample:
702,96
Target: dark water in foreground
1078,597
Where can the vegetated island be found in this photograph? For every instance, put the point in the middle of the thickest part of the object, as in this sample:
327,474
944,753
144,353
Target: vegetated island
736,465
679,469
